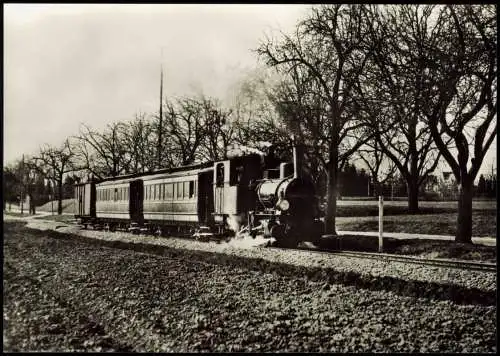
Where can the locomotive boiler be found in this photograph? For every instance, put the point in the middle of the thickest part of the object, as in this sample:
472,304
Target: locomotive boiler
287,207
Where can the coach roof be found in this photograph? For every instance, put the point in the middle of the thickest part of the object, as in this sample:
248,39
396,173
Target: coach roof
129,177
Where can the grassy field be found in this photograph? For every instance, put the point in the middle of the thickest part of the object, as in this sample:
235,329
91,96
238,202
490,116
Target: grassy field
483,223
67,205
64,218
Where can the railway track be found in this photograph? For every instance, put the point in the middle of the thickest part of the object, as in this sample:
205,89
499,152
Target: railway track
435,262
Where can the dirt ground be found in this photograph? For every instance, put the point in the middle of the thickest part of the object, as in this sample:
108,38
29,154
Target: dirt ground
65,295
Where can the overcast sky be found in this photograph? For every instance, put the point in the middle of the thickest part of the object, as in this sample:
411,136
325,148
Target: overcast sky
70,64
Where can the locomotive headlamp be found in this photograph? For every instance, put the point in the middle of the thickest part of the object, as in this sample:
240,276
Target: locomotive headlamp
284,205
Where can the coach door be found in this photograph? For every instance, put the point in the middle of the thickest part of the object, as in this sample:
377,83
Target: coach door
92,199
205,197
219,188
135,201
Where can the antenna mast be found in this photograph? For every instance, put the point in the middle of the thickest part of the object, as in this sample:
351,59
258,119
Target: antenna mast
160,126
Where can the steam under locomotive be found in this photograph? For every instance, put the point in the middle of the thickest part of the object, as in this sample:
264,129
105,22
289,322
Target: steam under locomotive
241,194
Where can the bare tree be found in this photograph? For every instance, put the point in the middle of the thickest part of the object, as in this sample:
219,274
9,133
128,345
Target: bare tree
218,130
184,123
461,90
380,167
104,154
326,51
138,138
55,162
390,90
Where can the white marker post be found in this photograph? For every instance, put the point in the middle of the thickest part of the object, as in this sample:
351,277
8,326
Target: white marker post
380,223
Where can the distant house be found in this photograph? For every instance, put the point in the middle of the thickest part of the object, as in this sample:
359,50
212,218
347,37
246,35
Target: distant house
448,188
444,186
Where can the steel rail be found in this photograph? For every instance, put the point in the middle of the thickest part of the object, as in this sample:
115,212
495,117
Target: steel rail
434,262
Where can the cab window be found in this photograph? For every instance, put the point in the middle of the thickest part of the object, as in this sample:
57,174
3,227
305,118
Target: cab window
219,178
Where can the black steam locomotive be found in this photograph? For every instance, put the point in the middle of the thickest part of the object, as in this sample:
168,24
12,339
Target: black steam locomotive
237,195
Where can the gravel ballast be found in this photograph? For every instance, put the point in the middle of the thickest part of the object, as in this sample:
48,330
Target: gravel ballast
62,295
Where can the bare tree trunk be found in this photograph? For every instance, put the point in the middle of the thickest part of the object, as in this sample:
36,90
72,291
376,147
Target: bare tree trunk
412,195
59,198
331,210
464,228
32,204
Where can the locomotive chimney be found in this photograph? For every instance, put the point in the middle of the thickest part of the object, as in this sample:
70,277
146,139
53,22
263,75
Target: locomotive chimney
297,156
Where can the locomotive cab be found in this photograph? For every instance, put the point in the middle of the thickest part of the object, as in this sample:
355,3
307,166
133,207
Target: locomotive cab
233,195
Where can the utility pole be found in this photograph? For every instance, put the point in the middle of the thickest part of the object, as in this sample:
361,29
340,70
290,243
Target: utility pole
22,184
160,126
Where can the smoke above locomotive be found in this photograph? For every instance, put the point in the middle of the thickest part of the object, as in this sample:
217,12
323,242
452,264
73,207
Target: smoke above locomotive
249,192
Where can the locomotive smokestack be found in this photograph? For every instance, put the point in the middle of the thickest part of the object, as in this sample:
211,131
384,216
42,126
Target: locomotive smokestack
295,162
297,152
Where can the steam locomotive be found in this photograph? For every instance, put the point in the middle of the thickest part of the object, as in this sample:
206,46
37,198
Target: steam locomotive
243,194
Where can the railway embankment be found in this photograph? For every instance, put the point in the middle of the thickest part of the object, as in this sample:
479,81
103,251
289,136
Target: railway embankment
67,292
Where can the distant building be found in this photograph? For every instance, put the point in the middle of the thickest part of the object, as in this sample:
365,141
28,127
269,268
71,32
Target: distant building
448,187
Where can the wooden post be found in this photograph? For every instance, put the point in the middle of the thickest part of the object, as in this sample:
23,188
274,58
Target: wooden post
22,185
380,223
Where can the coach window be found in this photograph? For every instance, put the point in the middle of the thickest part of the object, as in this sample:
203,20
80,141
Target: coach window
179,190
186,190
220,174
191,189
170,191
158,191
236,174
